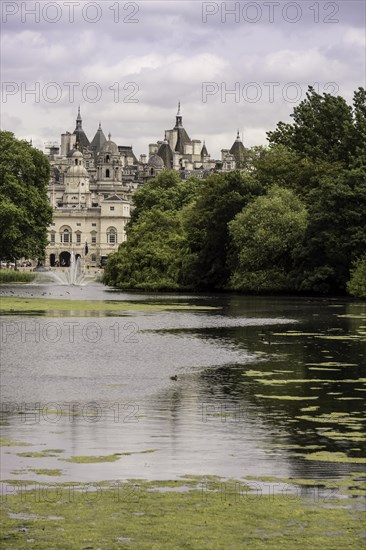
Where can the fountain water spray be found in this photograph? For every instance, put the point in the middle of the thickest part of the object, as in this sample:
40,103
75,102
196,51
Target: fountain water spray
71,276
74,273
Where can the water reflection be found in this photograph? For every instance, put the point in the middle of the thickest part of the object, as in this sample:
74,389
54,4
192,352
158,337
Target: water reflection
262,384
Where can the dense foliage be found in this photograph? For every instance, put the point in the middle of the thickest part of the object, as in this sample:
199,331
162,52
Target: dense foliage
24,209
357,284
293,219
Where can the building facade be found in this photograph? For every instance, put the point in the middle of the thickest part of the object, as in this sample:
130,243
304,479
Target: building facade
92,183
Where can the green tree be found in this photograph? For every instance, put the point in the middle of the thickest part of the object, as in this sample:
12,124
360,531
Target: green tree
220,198
166,192
151,259
359,140
325,128
336,233
265,235
24,209
357,283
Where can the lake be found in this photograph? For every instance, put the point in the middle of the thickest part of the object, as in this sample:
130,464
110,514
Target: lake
251,386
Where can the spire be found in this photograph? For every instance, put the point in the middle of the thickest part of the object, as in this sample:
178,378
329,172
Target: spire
79,132
98,141
238,150
79,122
178,118
109,136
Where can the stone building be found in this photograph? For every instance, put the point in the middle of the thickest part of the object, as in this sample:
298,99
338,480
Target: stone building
189,156
91,203
92,183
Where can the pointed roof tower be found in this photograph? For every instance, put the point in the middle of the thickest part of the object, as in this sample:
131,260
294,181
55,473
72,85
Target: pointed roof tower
204,152
81,138
166,154
178,118
98,141
238,150
182,137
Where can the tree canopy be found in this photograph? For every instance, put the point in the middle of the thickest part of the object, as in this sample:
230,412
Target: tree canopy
293,218
24,209
266,235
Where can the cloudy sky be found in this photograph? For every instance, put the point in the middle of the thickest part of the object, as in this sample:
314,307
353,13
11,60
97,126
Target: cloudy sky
233,65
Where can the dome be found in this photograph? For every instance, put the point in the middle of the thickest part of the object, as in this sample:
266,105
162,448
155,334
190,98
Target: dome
110,147
156,162
77,171
74,153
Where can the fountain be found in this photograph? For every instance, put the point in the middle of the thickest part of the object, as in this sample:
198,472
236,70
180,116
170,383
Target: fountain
73,275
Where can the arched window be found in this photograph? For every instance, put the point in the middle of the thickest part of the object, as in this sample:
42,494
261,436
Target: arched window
65,235
93,237
107,158
107,173
112,235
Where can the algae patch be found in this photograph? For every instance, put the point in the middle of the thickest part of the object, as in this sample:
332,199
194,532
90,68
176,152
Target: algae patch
89,459
326,456
15,305
5,442
41,454
287,397
212,515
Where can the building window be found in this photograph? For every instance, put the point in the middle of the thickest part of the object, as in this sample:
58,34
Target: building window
78,238
94,225
107,173
111,235
65,236
111,208
53,238
93,258
78,224
94,238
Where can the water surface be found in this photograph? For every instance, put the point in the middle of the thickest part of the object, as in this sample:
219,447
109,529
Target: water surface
261,384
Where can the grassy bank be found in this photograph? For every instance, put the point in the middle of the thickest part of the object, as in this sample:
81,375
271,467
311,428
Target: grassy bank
9,276
190,514
49,305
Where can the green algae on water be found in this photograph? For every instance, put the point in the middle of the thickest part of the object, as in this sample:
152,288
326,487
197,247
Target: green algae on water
213,516
41,454
11,304
46,471
326,456
89,459
5,442
92,459
287,397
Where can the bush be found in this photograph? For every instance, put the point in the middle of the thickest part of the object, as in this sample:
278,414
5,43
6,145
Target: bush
356,286
7,276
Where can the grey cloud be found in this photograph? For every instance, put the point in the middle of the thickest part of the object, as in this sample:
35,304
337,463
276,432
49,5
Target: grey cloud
169,53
